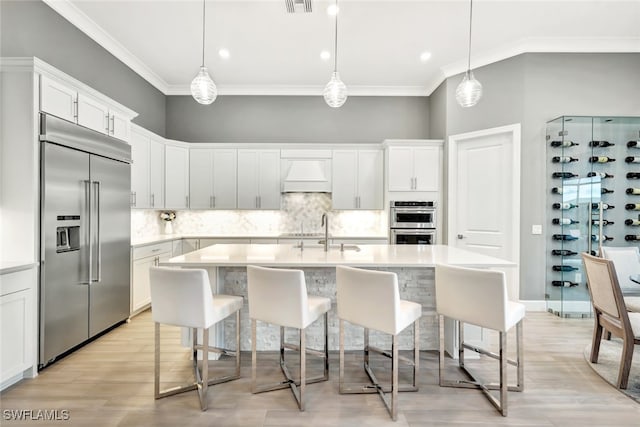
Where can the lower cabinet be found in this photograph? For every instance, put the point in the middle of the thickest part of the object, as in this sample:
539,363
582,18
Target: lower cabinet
144,258
18,334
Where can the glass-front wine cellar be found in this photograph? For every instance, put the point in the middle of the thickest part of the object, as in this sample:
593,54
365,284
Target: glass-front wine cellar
593,194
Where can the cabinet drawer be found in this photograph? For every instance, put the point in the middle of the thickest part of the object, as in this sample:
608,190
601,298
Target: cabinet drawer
152,250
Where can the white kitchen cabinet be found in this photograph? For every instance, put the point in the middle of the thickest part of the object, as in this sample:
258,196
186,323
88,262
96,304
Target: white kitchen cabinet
142,259
176,182
357,179
90,110
18,333
156,172
258,179
140,149
414,168
212,178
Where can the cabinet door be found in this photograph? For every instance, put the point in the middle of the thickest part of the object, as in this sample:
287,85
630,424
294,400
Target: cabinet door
370,179
93,113
156,173
58,99
247,179
119,126
426,161
344,179
225,189
269,180
16,333
140,289
400,169
200,178
176,182
140,145
190,245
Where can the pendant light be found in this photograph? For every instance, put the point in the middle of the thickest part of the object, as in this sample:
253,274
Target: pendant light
335,92
469,91
203,89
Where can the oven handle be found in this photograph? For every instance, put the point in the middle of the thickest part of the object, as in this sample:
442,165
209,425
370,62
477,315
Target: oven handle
412,232
414,211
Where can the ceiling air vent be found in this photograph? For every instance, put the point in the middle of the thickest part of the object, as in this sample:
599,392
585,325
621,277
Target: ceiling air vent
294,6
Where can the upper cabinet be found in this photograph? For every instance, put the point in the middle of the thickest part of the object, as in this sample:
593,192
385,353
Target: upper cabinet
357,179
414,168
258,179
212,178
86,107
176,176
147,169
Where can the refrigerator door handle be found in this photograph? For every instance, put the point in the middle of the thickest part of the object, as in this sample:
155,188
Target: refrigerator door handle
87,228
97,229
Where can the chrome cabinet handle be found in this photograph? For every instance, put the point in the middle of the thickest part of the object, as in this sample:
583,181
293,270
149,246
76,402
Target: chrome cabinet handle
153,200
75,109
133,199
106,127
113,125
460,236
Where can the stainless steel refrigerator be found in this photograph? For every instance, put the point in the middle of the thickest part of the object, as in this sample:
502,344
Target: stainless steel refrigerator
85,227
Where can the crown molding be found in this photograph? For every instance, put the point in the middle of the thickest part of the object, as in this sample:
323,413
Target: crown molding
303,90
88,26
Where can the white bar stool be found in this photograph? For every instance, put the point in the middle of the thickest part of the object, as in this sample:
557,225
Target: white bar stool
182,297
371,299
279,297
479,297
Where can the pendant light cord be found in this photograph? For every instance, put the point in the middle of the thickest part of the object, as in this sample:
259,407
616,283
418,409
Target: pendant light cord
470,21
203,29
335,47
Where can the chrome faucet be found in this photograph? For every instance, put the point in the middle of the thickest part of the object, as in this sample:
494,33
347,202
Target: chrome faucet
325,223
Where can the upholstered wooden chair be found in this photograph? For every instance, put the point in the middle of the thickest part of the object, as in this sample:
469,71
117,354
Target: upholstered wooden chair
610,313
627,262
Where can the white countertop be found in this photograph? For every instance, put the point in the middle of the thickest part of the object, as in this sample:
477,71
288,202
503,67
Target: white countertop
286,255
159,238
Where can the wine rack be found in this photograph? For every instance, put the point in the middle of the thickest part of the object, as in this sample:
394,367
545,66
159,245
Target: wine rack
593,199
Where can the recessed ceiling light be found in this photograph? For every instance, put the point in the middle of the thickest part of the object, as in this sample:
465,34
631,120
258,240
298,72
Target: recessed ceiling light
224,53
325,55
333,10
425,56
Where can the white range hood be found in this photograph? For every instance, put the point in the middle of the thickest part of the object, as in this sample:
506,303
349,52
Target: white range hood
306,171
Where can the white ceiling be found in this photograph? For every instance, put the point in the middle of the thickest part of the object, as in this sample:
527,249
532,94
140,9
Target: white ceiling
379,42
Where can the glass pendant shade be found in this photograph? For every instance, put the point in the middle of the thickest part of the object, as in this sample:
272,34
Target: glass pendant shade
203,89
469,91
335,92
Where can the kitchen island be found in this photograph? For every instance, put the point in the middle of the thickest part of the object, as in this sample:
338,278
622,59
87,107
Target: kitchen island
414,264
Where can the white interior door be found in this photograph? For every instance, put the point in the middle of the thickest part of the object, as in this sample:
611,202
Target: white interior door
484,200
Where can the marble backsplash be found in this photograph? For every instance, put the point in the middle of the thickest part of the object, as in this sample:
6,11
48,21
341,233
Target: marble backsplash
298,211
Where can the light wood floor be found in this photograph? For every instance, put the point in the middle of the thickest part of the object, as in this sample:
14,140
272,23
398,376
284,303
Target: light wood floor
110,383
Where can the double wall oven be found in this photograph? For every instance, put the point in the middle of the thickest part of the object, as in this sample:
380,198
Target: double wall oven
412,223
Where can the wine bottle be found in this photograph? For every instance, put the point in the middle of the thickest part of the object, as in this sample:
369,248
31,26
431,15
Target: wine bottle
564,206
633,175
632,237
633,144
564,283
563,252
564,268
632,206
563,159
566,237
604,222
596,238
563,143
605,191
564,221
601,159
632,159
557,190
605,206
600,144
634,191
632,222
602,175
564,175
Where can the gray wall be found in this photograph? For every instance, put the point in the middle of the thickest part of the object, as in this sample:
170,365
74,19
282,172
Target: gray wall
297,119
438,112
532,89
31,28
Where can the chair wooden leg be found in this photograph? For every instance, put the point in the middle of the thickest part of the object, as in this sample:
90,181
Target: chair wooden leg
625,362
597,337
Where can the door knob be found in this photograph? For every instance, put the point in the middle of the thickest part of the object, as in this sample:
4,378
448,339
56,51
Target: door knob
460,236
